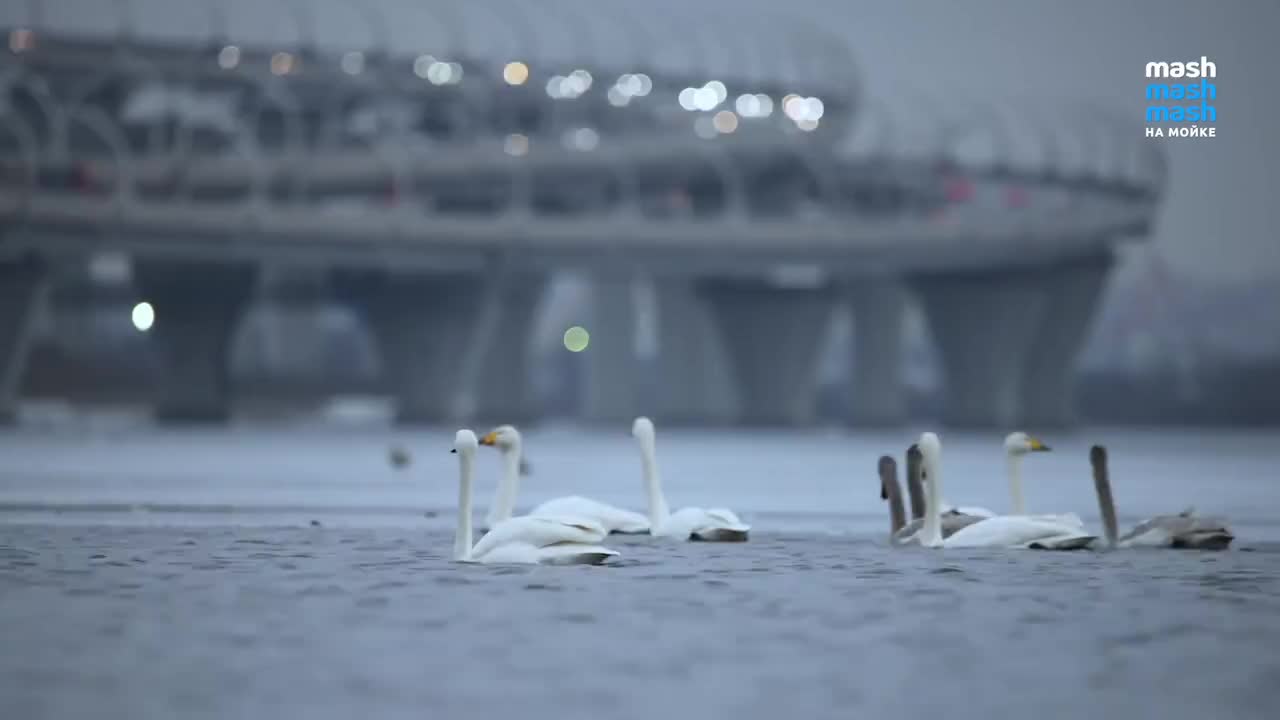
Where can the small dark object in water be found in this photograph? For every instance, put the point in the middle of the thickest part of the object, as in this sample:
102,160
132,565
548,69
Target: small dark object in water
315,523
430,513
399,457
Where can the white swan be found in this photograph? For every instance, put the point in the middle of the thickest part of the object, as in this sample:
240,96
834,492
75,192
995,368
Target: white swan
528,540
1184,530
1008,531
712,525
509,444
902,532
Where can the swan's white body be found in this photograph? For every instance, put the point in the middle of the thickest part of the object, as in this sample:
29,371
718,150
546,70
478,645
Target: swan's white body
509,444
711,525
525,540
1009,531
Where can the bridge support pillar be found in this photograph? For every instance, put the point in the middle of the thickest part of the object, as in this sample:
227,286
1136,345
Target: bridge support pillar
1009,340
197,308
24,287
424,326
1073,295
613,368
773,336
877,397
692,371
503,382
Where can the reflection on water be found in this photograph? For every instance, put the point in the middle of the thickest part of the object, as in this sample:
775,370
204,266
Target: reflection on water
154,575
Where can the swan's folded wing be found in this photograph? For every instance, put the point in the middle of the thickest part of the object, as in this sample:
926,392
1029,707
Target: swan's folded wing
539,531
726,519
611,518
575,554
1009,531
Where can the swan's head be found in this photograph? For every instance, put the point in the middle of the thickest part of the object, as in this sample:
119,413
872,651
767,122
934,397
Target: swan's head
1097,456
503,437
1020,443
930,446
464,443
642,429
887,469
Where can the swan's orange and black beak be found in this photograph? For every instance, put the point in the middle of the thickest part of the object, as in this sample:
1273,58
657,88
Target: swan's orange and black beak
1037,446
453,450
490,439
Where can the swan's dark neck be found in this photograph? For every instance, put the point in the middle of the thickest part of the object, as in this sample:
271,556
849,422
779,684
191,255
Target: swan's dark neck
1102,483
889,490
915,490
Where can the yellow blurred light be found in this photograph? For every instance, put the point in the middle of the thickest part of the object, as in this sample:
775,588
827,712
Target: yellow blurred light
515,73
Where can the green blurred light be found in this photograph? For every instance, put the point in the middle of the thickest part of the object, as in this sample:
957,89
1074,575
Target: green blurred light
576,339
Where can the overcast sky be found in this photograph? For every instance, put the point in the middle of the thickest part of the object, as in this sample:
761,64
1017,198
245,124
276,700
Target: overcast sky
1220,215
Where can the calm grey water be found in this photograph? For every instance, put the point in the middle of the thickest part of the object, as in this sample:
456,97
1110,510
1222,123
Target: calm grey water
156,575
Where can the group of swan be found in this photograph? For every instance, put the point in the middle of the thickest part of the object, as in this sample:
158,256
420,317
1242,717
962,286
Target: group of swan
569,530
935,524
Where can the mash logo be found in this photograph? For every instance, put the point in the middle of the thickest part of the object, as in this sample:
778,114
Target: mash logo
1181,108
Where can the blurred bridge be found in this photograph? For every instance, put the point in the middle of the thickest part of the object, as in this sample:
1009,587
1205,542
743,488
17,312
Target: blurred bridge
438,182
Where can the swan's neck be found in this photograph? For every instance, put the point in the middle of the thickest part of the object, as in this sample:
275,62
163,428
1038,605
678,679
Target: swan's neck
1106,504
1014,463
658,511
914,489
462,538
893,493
931,533
504,499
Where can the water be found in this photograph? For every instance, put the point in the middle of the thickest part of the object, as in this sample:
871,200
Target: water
147,574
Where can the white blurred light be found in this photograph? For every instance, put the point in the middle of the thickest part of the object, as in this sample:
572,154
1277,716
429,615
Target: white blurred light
583,139
455,73
516,145
747,105
422,65
353,63
807,125
705,127
687,99
617,97
555,86
719,89
766,105
228,57
579,82
704,99
143,316
646,84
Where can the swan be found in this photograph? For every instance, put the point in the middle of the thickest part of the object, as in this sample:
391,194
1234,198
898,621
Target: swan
902,532
712,525
1184,530
508,442
526,540
1008,531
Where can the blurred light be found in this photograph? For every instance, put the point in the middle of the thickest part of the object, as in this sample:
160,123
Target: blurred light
576,339
281,63
725,122
515,73
807,125
21,40
110,268
455,73
583,139
687,97
704,99
353,63
646,84
228,57
439,73
791,106
516,145
578,82
754,106
617,97
422,65
705,127
806,111
719,89
555,87
143,316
